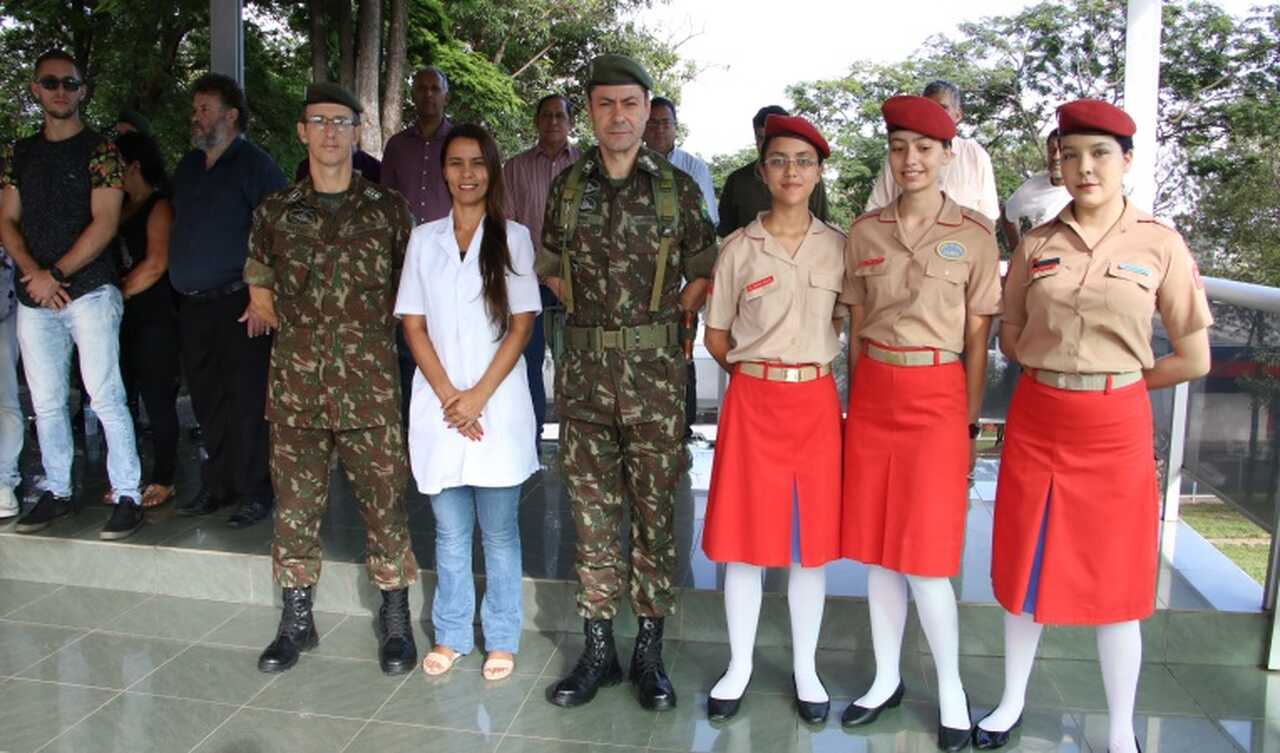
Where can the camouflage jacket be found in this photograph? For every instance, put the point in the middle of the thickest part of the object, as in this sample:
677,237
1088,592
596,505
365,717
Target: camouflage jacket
334,275
613,266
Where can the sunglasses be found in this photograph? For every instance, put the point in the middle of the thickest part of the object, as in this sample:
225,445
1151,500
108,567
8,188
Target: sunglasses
51,83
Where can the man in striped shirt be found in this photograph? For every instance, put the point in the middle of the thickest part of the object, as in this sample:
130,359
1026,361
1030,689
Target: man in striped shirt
528,177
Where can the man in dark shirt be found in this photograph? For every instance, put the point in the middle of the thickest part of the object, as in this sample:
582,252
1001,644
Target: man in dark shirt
63,189
225,346
745,195
412,164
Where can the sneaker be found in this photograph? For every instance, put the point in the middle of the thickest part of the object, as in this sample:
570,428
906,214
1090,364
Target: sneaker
125,519
48,509
8,504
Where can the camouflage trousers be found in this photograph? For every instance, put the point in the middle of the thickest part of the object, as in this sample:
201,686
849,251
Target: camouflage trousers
605,465
373,460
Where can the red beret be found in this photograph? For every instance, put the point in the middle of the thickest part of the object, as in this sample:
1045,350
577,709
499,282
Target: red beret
798,127
919,114
1085,115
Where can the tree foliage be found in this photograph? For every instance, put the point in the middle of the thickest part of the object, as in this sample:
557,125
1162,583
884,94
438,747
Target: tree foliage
1015,69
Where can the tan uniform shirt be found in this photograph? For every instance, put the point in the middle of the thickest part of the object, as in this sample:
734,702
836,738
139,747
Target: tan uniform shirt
918,296
778,307
1086,310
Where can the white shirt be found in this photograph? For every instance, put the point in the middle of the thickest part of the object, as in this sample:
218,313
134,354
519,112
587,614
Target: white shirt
439,284
968,180
698,170
1038,200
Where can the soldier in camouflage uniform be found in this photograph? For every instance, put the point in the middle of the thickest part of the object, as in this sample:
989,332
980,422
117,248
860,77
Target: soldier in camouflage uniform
622,228
325,256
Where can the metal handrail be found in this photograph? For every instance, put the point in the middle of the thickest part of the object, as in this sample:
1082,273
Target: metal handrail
1245,294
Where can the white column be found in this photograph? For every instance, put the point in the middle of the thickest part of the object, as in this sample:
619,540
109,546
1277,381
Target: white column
1141,95
226,39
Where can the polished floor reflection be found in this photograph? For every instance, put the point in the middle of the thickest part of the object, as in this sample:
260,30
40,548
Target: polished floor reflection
88,670
1193,574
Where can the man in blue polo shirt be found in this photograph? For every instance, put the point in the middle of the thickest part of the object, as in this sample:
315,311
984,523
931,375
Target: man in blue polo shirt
225,347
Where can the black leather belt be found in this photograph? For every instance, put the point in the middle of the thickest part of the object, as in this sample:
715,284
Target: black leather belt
213,294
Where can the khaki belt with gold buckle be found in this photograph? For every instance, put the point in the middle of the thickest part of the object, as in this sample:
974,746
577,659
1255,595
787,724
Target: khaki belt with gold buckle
781,372
1086,382
910,357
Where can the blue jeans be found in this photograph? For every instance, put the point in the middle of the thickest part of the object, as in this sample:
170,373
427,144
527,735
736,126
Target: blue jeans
12,426
92,323
453,608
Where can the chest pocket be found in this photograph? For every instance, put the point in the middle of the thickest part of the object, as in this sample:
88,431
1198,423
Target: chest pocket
1131,288
945,281
295,246
824,287
365,256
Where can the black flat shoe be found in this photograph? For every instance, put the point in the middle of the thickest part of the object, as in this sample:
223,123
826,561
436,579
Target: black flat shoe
856,715
951,739
724,709
989,739
813,712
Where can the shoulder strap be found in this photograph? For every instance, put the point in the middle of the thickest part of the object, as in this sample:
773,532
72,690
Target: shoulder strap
665,200
570,201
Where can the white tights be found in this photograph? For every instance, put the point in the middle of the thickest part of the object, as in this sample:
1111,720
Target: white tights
806,596
936,606
1119,654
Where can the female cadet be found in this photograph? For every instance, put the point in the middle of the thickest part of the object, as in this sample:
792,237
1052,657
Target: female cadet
922,278
1076,502
468,297
774,499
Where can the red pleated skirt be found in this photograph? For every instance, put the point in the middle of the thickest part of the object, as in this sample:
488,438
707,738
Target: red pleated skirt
906,467
777,454
1086,461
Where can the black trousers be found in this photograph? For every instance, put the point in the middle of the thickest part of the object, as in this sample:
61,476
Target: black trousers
149,365
226,372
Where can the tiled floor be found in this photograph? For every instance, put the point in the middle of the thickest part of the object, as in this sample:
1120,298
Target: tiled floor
1193,574
86,670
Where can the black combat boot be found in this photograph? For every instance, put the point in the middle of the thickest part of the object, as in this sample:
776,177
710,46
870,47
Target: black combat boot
397,653
597,667
297,632
647,673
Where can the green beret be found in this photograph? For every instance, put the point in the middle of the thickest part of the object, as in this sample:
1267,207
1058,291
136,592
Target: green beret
611,70
327,92
135,119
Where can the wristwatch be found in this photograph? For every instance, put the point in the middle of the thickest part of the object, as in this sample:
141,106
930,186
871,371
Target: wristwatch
56,274
974,430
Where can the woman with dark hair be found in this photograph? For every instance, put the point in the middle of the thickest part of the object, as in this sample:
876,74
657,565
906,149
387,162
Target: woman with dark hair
922,277
149,330
1077,510
468,297
774,499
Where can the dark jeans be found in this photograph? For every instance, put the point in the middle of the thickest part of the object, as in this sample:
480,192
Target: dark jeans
534,353
149,364
226,373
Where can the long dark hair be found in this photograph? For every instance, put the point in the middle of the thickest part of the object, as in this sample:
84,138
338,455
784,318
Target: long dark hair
495,256
137,146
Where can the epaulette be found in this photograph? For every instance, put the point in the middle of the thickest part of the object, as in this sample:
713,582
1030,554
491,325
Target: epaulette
978,218
865,216
733,236
294,195
1164,222
372,193
838,231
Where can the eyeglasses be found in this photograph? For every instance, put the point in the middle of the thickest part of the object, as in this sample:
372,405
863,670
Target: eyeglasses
340,122
801,163
51,83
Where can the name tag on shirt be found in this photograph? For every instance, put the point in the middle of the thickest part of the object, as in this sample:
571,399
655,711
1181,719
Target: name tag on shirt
761,283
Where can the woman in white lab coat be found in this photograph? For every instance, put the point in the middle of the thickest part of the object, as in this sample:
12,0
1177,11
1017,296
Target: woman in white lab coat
468,297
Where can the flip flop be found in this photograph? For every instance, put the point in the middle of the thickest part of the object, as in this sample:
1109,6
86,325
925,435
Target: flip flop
158,498
498,667
440,660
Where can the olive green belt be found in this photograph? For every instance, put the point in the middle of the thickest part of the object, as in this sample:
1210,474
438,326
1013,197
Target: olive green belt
1086,382
641,337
